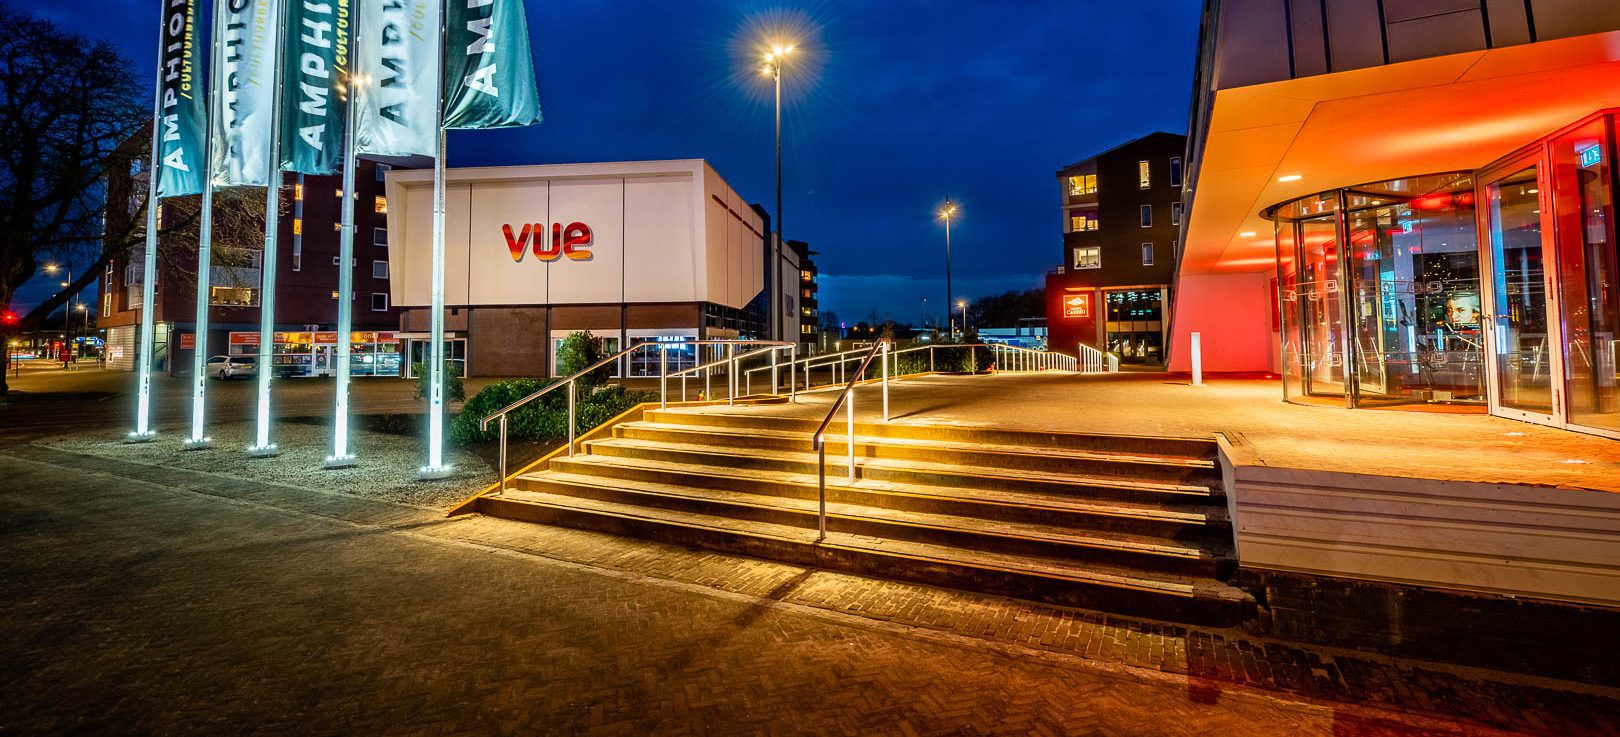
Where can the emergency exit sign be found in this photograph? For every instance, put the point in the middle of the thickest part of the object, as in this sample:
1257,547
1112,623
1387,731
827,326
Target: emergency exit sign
1591,156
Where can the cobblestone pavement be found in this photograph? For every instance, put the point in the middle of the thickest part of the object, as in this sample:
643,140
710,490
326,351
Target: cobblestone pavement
148,600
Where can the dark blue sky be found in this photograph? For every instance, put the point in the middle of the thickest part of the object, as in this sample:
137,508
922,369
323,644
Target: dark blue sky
895,105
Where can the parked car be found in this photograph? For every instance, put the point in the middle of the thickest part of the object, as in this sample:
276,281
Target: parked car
227,367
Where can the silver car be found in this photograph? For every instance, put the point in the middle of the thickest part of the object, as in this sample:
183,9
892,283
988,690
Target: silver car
227,367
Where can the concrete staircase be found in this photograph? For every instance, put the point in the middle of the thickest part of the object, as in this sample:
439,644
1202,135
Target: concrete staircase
1126,524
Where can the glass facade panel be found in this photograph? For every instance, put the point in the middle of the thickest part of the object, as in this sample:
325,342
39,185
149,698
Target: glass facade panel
1523,359
1583,201
1386,310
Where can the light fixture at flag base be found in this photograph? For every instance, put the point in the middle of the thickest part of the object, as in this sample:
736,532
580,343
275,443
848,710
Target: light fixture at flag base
343,461
141,437
263,451
203,443
430,473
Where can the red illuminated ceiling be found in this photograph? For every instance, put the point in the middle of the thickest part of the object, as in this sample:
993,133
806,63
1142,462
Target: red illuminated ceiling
1432,115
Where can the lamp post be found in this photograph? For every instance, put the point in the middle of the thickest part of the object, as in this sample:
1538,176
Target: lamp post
773,69
946,213
961,304
68,309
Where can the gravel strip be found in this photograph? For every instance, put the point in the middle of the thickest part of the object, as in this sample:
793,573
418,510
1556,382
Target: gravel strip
385,469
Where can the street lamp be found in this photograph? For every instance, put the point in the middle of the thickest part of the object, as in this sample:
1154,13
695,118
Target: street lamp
774,59
946,213
961,304
68,318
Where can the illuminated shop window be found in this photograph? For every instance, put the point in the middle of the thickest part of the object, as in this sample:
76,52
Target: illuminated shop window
233,296
1088,257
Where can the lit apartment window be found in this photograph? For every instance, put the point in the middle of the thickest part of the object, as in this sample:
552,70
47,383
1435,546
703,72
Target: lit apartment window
379,269
1082,221
1088,257
1175,171
1147,254
382,169
298,191
1175,213
1147,216
298,227
379,236
337,226
380,205
1144,175
379,301
807,329
334,294
233,296
1082,184
338,193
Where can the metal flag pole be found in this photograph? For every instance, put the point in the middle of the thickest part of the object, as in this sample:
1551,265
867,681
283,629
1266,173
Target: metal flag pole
341,457
143,354
205,243
436,468
262,447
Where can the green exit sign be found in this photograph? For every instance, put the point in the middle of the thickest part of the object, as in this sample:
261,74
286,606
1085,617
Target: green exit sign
1591,156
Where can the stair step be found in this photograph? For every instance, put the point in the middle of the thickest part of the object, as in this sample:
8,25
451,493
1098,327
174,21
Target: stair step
1194,482
1148,518
1094,586
723,418
1020,538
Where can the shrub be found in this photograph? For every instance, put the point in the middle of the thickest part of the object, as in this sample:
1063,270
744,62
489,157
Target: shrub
578,350
454,391
545,418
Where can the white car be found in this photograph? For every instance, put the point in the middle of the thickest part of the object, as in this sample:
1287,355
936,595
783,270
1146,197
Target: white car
226,367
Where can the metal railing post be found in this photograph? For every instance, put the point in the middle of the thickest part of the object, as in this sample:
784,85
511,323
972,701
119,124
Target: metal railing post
885,381
776,383
708,386
503,454
731,374
851,441
571,419
663,378
793,378
821,490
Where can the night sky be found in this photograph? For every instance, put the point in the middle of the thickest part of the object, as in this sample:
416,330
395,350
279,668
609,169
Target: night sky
893,106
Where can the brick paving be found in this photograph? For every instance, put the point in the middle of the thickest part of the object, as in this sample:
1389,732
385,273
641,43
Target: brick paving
147,600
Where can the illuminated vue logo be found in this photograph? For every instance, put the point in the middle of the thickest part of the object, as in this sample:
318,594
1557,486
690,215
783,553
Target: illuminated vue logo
573,241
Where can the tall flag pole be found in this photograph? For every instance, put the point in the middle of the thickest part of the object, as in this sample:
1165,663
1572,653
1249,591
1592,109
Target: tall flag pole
486,81
205,244
341,457
247,134
174,171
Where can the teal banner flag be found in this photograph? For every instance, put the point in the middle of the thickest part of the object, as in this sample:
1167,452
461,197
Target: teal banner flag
250,31
399,59
319,44
180,106
488,70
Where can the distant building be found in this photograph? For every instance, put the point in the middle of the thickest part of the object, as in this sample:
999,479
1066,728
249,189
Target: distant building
306,283
1121,216
809,317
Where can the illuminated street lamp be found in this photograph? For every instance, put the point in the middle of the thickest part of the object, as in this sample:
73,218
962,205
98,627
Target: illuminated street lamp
67,272
774,59
946,213
961,304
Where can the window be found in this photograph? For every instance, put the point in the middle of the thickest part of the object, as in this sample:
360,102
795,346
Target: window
297,261
1147,216
338,226
380,205
298,191
1144,175
1088,257
807,329
298,226
338,193
233,296
106,303
1175,213
379,236
1082,184
334,294
1175,171
379,269
1147,254
1082,220
379,301
382,169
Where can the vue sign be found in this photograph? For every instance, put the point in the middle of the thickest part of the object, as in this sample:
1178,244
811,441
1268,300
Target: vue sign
573,241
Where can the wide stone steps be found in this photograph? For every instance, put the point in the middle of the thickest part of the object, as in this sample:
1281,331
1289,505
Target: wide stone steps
1131,524
1143,517
1017,538
691,448
1107,442
1098,586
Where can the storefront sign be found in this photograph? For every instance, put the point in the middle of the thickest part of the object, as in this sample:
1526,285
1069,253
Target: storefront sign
573,241
1077,305
188,341
329,338
244,338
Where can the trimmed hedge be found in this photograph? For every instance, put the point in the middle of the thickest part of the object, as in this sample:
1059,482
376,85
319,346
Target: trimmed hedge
543,419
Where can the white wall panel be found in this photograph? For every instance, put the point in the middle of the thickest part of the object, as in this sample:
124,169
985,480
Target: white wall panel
598,203
661,259
498,280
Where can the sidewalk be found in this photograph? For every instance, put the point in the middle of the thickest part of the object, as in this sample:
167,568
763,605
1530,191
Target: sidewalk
1354,693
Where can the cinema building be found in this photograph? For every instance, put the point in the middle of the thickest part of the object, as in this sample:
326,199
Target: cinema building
1408,204
630,252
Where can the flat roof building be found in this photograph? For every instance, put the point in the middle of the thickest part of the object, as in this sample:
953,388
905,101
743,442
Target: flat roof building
1408,204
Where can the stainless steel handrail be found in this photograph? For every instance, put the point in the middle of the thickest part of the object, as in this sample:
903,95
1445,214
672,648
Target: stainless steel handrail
819,440
571,380
734,359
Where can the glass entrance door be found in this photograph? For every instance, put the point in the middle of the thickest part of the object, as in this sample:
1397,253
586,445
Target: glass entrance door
1523,345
